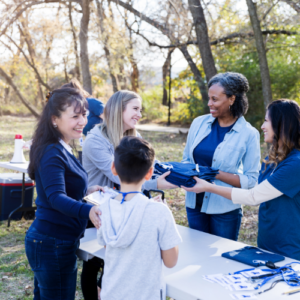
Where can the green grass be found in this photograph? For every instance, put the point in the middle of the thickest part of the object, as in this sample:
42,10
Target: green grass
13,262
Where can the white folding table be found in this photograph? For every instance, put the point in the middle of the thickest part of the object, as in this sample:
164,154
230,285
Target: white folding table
199,254
23,169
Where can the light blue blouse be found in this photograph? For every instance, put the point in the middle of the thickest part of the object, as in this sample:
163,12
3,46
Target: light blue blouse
239,153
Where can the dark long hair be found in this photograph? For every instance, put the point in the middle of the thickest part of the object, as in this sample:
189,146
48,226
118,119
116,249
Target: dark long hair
45,133
234,84
284,115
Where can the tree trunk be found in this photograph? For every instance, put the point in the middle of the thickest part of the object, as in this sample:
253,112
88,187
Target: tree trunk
83,39
77,66
134,76
200,82
166,73
202,38
17,91
167,31
122,77
6,94
262,56
106,50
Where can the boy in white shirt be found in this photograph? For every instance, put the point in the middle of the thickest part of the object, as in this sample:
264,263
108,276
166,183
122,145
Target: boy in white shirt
138,233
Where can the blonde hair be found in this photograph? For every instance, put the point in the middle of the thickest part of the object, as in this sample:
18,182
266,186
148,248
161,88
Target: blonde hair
112,127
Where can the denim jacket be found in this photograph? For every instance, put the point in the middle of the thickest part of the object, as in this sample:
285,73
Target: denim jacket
239,153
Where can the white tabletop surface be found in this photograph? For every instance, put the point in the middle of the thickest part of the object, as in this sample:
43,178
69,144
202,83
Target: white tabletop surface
199,254
16,167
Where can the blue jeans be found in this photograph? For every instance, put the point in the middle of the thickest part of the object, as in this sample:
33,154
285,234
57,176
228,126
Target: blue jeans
225,225
54,264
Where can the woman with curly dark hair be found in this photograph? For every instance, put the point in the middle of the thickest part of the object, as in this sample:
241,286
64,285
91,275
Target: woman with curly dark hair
278,191
225,141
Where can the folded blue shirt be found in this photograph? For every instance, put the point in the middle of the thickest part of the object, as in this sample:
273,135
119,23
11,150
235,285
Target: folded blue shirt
183,174
253,256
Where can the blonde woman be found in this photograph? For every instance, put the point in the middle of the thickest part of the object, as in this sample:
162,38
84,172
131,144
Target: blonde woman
121,114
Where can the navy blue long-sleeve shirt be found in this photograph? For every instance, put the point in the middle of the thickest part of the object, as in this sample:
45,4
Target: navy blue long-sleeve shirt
61,184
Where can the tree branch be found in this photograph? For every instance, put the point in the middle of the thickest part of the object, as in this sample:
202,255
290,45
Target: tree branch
143,17
224,39
32,65
295,6
13,19
17,91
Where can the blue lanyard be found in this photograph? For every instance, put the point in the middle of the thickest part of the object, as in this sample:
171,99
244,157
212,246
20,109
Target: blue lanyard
125,194
286,272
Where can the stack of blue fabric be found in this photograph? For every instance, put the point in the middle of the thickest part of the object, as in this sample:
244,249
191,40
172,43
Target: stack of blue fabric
182,174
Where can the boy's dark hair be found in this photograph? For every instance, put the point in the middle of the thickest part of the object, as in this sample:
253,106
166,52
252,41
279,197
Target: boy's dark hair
133,159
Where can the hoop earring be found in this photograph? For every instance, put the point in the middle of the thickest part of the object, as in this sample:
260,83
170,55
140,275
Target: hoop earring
230,107
54,125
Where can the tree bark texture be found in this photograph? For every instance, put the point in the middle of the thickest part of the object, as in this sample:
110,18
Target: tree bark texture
203,38
262,55
165,74
17,91
83,39
100,13
77,66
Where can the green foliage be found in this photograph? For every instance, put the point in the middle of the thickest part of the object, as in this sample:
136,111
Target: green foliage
284,66
284,70
185,86
152,107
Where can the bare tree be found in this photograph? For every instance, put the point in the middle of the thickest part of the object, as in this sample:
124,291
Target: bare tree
77,66
262,56
20,96
83,38
101,16
171,35
165,74
203,38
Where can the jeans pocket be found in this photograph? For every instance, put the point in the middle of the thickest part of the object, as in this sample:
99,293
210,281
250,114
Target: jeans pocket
33,249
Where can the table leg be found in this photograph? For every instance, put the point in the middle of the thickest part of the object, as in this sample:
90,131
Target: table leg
22,201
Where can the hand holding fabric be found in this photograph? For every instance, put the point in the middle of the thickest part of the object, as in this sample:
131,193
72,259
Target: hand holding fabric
201,186
163,184
179,174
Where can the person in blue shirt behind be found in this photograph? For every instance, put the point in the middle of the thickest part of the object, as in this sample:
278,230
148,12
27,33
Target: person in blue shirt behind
225,141
61,183
95,106
95,116
278,191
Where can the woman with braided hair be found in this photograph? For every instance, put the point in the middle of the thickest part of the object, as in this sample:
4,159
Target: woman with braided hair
225,141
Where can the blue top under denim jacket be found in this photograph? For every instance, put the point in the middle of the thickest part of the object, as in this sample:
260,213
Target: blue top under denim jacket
239,153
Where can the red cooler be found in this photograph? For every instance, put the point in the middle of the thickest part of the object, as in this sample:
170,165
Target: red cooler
11,194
